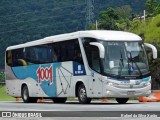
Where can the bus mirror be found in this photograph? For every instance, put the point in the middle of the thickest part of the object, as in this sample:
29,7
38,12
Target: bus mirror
154,49
100,47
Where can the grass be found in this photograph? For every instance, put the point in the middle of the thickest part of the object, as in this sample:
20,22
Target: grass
4,96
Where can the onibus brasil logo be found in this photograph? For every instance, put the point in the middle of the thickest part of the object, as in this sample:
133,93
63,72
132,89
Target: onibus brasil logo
44,73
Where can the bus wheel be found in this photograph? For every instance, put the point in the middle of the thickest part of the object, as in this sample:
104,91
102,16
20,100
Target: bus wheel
122,100
25,96
82,95
59,100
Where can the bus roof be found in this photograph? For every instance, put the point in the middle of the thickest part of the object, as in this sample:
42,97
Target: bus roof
107,35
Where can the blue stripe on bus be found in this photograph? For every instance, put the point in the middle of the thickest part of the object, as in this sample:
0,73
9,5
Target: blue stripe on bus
23,72
49,88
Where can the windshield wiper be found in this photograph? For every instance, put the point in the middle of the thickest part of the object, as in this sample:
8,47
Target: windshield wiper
122,64
132,60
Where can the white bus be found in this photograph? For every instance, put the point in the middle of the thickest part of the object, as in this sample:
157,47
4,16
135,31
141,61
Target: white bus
83,64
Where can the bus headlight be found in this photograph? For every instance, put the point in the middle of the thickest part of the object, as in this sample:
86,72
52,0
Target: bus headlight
112,84
107,82
146,83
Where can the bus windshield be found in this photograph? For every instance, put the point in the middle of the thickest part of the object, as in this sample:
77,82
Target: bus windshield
125,58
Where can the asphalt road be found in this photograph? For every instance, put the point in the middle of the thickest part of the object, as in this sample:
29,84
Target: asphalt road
149,110
75,106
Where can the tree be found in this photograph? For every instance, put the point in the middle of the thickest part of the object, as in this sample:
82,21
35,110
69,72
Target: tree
124,11
108,19
135,25
157,10
150,6
112,20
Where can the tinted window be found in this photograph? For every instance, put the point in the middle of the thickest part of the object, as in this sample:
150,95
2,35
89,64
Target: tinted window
92,54
17,56
68,51
48,53
9,58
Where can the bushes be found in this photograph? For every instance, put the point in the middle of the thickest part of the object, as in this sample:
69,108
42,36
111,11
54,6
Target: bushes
2,77
155,73
149,31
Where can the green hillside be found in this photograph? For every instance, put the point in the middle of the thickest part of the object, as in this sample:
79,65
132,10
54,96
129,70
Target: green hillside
26,20
149,30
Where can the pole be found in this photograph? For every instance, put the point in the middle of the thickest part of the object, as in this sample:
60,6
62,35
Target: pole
96,25
144,15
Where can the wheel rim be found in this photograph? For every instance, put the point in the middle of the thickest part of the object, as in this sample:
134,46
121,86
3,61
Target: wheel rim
25,94
82,94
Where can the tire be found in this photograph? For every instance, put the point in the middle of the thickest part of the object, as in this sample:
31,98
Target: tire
122,100
25,96
59,100
82,95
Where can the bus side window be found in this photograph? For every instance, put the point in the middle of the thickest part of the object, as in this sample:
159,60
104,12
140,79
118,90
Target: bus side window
92,54
78,55
70,51
57,52
77,52
93,58
18,58
95,61
9,58
64,52
54,56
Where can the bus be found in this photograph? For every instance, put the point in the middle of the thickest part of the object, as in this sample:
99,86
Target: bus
84,64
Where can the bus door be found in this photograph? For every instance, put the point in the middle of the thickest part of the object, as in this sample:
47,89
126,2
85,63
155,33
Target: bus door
95,81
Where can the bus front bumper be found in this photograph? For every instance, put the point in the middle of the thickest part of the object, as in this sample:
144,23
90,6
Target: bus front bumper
112,91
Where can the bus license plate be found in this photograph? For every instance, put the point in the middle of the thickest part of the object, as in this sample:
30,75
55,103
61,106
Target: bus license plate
131,92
